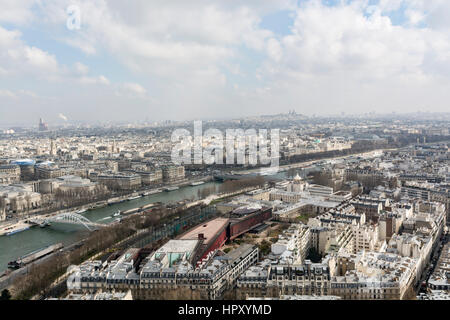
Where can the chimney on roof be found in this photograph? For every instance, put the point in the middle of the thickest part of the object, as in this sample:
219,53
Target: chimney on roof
201,236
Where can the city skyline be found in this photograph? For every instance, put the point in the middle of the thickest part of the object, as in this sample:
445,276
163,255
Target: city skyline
163,61
60,121
343,194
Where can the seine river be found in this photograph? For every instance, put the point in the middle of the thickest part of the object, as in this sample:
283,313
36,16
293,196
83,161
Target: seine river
20,244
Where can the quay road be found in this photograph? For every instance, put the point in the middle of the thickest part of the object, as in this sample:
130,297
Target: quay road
20,244
36,214
7,280
189,218
35,238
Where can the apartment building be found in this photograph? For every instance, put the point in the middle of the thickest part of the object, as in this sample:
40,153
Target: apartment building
374,276
173,173
151,177
169,273
48,171
266,280
293,244
119,181
10,169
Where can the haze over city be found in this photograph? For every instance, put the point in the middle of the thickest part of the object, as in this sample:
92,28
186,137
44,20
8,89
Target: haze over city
181,60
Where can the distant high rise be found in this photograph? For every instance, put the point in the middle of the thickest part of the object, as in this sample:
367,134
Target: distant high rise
52,147
42,125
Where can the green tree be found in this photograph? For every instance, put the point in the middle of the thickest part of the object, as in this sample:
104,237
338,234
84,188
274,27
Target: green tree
5,295
314,255
265,247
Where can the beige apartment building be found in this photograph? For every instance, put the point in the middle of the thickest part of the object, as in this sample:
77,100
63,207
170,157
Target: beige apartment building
173,173
120,181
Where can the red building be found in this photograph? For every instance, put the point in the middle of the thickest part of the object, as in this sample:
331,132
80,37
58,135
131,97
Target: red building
243,220
212,234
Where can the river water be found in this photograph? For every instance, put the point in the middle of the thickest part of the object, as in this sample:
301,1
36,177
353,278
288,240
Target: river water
20,244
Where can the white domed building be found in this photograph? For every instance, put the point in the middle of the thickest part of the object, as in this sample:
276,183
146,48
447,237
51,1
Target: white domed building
297,184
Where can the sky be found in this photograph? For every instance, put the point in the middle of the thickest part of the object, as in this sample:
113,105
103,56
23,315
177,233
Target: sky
152,60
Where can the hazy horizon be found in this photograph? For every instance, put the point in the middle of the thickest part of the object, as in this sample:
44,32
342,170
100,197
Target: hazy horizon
57,122
159,60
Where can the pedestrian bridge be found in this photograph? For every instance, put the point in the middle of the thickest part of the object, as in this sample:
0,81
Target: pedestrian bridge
70,218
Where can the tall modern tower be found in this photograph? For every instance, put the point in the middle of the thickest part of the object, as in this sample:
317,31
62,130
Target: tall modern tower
52,147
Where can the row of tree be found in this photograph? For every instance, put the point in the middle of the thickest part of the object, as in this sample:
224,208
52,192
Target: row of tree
80,197
40,276
230,186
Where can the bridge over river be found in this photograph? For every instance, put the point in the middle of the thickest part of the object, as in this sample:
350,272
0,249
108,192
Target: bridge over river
68,218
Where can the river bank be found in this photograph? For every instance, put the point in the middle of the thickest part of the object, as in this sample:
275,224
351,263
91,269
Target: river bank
100,212
17,245
42,214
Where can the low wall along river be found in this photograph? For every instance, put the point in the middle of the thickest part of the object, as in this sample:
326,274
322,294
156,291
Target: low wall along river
35,238
20,244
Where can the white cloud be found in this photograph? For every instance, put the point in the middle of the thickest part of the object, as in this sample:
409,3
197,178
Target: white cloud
18,58
94,80
414,16
134,87
387,6
84,45
337,58
329,39
206,58
16,94
81,68
166,37
274,49
16,11
131,90
7,93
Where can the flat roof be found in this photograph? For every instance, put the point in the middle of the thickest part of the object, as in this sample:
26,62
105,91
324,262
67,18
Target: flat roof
209,229
178,246
242,250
